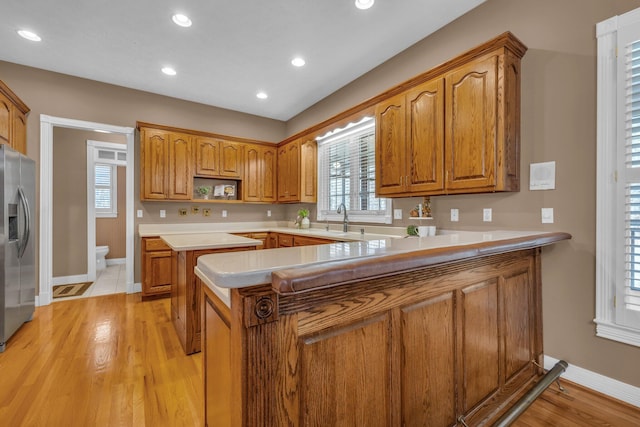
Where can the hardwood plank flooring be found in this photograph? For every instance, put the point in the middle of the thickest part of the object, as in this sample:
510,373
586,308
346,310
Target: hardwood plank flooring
116,361
102,361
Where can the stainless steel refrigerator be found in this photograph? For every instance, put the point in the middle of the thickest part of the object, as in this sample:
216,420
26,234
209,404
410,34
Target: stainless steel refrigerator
17,248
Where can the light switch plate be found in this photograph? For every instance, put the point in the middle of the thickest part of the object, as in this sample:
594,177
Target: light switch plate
139,213
195,210
269,212
206,212
454,215
397,214
163,213
486,214
224,213
547,215
182,212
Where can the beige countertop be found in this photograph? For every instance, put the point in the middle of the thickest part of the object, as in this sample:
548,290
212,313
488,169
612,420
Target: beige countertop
242,269
212,240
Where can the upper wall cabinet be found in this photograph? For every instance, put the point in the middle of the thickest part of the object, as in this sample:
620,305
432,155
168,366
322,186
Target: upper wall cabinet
13,120
217,158
297,171
166,165
458,132
259,183
410,141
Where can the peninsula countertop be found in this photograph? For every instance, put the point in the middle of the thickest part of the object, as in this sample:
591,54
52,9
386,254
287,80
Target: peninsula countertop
236,270
212,240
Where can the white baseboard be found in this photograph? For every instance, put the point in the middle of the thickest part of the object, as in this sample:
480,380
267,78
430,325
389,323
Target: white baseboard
133,288
115,261
600,383
66,280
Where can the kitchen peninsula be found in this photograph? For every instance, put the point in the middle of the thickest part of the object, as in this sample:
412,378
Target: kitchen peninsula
417,331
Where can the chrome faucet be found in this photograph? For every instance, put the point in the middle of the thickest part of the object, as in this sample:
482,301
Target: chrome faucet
345,221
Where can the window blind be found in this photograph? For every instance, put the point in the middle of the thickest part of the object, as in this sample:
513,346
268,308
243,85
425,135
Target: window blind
631,182
104,187
346,174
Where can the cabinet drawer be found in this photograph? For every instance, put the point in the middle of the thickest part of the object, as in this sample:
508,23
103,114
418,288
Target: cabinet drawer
285,240
155,244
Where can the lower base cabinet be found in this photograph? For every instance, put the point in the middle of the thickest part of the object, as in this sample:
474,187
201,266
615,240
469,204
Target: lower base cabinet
445,345
186,292
156,267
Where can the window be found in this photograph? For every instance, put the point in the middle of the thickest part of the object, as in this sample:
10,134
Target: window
346,174
618,180
106,190
103,159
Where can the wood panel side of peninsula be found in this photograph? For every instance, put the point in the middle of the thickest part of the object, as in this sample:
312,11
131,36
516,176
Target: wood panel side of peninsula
428,338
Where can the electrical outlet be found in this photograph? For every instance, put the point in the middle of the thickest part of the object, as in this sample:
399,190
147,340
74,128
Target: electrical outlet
195,210
486,215
397,214
454,215
182,212
206,212
139,213
224,213
163,213
269,212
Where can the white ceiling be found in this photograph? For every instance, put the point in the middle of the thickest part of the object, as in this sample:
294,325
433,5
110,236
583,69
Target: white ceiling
233,50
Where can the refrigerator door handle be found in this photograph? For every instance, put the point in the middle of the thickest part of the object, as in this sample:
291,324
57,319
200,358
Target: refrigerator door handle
22,246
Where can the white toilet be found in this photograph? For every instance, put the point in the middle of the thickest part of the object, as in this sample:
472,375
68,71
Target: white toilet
101,252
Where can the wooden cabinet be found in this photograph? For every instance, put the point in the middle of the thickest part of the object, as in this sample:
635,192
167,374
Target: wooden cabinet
186,304
437,345
13,120
218,158
262,236
260,171
166,165
289,240
482,133
458,132
410,141
297,171
155,271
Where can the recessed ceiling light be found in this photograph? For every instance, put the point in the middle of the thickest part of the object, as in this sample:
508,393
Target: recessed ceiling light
169,71
182,20
261,95
298,62
29,35
364,4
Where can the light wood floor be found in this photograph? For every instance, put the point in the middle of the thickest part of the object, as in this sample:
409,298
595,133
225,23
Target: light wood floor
116,361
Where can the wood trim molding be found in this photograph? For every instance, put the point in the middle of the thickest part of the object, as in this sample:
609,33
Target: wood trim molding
4,89
203,133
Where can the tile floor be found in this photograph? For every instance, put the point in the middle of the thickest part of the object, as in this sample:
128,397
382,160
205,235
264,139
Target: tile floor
111,280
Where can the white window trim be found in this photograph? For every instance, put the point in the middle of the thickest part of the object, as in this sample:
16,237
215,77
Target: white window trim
92,158
608,213
382,217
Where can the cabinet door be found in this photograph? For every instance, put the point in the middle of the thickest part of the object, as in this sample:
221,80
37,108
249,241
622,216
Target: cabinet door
289,172
157,273
269,160
180,176
308,171
425,137
231,159
155,171
19,135
5,119
390,146
207,156
470,133
252,174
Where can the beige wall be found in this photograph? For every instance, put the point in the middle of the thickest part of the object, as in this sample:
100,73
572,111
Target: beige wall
558,124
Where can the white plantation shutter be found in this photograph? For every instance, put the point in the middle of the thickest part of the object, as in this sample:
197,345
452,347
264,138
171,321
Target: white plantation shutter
105,189
346,174
618,179
628,292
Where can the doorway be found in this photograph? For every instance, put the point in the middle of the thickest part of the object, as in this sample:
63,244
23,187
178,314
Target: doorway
47,124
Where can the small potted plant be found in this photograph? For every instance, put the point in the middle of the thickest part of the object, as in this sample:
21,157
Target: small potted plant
303,218
204,191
